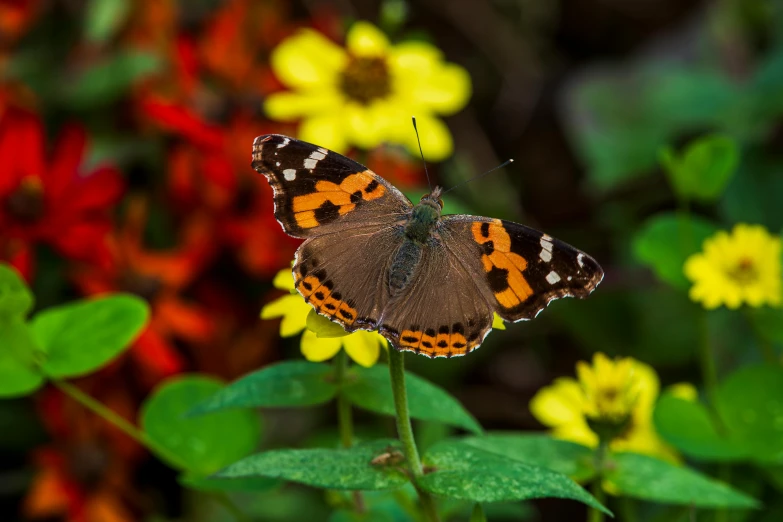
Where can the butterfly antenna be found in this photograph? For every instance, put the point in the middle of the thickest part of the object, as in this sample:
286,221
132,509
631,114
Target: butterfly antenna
504,164
416,129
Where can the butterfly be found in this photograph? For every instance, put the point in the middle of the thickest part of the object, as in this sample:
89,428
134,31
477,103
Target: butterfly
427,282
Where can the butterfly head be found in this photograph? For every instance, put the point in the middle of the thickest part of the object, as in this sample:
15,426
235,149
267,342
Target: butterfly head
433,199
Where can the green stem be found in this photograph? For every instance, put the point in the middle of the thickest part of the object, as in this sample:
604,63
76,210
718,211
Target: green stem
765,346
405,430
345,417
596,488
122,424
709,373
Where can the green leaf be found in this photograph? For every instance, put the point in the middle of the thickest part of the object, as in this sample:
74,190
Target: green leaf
647,478
704,169
667,240
323,327
200,445
19,373
83,336
282,385
466,472
687,426
108,81
212,484
104,18
370,388
750,402
15,297
562,456
348,468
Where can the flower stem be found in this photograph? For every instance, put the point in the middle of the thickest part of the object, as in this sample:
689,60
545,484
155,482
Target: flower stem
596,488
405,430
122,424
345,417
709,373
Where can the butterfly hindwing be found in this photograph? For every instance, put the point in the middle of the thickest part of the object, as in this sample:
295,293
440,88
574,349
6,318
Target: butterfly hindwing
318,191
521,269
343,274
441,312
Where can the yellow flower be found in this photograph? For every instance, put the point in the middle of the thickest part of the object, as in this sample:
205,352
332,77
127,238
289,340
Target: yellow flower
365,94
613,397
363,347
736,268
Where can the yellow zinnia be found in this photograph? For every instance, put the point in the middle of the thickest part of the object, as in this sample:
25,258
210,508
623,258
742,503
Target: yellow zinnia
363,347
741,267
365,94
612,397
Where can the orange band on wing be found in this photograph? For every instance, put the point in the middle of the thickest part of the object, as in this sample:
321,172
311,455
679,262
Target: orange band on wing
361,186
504,267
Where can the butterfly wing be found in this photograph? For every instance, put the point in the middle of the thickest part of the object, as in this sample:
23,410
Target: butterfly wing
344,274
475,266
318,191
443,311
521,269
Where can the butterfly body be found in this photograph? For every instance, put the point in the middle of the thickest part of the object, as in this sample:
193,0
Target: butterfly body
428,282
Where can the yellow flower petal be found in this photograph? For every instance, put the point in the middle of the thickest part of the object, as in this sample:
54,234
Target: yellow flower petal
558,405
327,131
363,347
366,40
497,322
317,349
293,309
308,60
430,84
284,280
435,137
683,390
289,106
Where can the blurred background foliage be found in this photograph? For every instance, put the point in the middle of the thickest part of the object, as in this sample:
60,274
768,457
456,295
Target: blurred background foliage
598,102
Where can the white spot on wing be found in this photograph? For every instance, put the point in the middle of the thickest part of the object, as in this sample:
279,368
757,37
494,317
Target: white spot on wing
552,277
317,155
286,141
546,249
289,174
310,163
579,259
277,164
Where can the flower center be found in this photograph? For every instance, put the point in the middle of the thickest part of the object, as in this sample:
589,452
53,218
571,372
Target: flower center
744,273
26,203
366,79
144,286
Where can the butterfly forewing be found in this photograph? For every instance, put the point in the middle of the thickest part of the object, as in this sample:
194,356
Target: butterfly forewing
521,269
318,191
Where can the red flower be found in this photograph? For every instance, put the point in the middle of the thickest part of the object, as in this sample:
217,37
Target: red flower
159,277
56,204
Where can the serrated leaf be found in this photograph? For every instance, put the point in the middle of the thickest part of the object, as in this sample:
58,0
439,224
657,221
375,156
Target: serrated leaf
200,445
562,456
750,403
687,426
323,327
705,167
281,385
19,371
665,241
647,478
82,336
370,389
345,468
15,298
466,472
